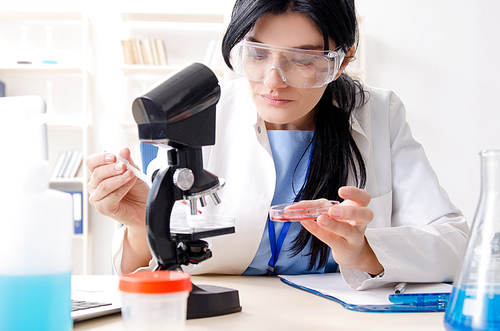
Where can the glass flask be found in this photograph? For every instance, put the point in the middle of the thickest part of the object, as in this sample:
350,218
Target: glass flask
475,300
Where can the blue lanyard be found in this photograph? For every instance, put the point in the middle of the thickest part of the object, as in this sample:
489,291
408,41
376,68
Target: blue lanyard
277,244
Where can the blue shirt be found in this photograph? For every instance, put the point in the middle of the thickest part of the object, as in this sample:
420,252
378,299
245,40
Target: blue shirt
290,150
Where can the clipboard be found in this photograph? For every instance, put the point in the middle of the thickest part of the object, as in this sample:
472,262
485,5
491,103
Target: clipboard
418,297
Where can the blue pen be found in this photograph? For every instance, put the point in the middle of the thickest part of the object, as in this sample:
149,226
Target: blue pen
420,299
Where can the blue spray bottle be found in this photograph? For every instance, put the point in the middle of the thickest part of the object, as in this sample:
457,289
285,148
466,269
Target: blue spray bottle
36,225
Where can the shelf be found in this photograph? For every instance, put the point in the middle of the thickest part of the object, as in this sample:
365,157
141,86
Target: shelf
134,69
74,180
42,69
40,16
66,87
173,17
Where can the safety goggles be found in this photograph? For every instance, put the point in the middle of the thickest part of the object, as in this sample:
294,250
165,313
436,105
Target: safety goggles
297,67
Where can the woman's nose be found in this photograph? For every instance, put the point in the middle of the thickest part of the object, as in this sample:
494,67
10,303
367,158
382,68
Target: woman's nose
274,79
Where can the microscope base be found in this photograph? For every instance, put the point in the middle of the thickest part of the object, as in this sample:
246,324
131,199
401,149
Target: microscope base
208,301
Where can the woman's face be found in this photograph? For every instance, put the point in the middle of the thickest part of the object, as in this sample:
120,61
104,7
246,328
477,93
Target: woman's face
283,107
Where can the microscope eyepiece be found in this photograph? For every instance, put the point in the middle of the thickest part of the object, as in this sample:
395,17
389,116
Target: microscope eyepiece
179,111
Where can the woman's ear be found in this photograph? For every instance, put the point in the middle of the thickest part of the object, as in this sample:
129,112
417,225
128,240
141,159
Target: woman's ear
345,62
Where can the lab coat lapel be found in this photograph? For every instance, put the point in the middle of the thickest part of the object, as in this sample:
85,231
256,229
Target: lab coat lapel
250,180
361,132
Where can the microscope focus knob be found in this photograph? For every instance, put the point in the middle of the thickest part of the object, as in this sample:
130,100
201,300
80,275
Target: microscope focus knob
183,178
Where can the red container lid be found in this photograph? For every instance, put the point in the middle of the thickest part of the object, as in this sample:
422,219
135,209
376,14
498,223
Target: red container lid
163,281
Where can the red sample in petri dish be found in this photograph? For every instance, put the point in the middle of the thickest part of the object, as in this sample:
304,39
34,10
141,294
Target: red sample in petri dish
300,211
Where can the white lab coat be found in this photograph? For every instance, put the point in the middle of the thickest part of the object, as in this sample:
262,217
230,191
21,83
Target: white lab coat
417,233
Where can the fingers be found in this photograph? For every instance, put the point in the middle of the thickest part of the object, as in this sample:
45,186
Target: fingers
107,179
317,231
340,236
110,181
354,215
108,204
304,204
103,166
346,222
345,241
108,187
125,153
356,195
343,230
96,160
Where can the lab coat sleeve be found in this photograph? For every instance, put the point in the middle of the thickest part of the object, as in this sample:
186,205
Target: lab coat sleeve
117,252
117,242
426,233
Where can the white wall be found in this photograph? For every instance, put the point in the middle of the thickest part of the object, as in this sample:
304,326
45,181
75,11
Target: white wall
438,56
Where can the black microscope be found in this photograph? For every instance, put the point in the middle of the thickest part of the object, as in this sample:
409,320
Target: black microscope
180,112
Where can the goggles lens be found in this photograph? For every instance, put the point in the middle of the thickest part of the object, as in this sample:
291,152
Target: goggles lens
297,67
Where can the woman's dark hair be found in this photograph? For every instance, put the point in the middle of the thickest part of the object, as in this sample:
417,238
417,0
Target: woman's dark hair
335,155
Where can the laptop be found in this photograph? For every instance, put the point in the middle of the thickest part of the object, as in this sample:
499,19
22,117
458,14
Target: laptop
94,296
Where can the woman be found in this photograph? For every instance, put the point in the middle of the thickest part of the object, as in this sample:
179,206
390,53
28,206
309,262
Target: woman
298,128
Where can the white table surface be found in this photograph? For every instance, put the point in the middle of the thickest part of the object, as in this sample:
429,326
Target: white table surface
270,304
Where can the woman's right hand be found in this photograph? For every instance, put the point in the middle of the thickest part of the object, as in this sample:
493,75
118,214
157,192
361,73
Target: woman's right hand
115,191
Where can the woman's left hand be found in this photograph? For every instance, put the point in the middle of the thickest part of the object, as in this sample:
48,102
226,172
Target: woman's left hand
344,231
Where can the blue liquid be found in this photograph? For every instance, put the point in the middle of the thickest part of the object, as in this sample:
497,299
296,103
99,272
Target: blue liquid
480,313
41,302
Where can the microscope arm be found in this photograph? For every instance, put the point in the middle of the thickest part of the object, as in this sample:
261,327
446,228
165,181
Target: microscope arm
161,200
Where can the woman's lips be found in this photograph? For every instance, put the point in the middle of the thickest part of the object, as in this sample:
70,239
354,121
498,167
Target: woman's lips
275,101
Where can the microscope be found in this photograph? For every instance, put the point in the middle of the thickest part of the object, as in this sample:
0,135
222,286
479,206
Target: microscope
180,112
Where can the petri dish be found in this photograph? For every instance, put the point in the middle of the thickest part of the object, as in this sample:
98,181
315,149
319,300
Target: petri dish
300,211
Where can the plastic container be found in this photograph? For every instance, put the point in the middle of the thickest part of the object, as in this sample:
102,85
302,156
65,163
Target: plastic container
475,300
300,211
36,225
155,300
